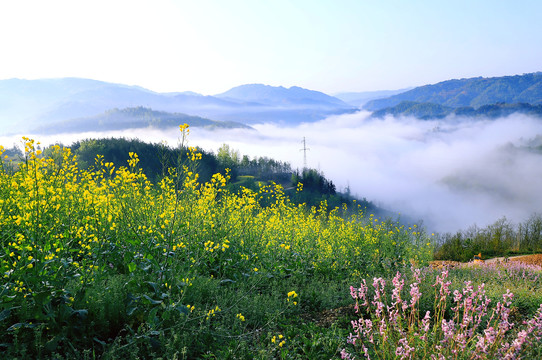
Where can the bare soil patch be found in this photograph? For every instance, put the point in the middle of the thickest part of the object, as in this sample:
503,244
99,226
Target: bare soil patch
535,259
438,264
529,259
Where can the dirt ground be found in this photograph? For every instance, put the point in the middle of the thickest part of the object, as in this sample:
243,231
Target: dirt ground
527,259
437,264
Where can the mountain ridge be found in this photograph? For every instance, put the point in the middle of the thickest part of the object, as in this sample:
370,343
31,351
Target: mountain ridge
429,111
27,104
261,93
32,104
473,92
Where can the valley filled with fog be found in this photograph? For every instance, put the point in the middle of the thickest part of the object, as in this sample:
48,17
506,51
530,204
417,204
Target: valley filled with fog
451,173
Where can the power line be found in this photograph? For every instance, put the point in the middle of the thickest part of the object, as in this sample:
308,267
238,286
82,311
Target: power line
304,153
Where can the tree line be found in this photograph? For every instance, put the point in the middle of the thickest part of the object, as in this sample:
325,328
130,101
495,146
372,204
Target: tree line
252,172
502,238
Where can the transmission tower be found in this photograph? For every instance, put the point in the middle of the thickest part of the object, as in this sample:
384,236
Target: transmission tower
304,153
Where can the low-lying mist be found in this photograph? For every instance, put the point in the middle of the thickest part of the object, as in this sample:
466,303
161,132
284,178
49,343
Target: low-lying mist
450,173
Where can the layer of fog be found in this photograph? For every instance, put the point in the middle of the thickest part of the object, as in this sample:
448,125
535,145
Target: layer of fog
451,173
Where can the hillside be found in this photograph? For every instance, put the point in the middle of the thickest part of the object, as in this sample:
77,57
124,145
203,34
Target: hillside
416,109
426,111
155,159
133,118
108,263
473,92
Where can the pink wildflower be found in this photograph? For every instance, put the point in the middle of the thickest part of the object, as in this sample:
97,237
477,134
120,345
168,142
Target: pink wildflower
415,294
398,284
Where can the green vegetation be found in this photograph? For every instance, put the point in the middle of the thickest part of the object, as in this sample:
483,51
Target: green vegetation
98,261
103,263
502,238
155,159
426,111
473,92
251,173
419,110
477,97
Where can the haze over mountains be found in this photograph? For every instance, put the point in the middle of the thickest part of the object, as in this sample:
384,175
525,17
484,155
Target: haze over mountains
133,118
359,99
73,104
29,104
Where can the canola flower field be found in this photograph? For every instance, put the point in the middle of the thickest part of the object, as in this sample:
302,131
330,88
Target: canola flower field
100,261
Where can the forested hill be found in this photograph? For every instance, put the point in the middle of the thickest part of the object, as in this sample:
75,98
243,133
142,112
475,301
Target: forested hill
133,118
473,92
155,159
426,111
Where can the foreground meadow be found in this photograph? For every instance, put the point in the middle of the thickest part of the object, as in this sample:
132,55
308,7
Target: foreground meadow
468,312
102,263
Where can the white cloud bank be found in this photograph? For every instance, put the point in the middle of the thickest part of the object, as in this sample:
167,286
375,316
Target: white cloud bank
450,173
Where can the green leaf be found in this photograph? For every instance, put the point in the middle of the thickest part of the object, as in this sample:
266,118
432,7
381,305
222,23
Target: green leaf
52,344
5,314
81,314
130,310
18,326
183,309
42,297
99,341
151,300
132,266
153,285
226,281
166,315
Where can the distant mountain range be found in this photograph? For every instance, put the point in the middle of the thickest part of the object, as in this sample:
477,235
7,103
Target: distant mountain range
266,95
132,118
73,104
31,104
465,93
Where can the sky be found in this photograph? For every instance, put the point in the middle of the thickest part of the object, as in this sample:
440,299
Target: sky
210,46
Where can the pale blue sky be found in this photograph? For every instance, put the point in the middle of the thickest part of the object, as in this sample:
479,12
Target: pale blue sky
209,46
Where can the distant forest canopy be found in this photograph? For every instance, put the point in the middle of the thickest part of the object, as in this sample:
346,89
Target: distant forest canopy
473,92
427,111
